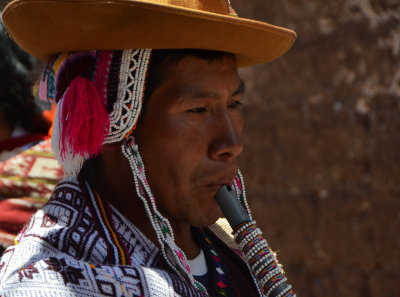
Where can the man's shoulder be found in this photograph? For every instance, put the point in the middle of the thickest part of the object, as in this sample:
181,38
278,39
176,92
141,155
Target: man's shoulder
65,212
67,191
67,199
64,224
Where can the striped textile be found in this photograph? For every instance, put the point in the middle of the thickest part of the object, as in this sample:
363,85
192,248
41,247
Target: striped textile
26,183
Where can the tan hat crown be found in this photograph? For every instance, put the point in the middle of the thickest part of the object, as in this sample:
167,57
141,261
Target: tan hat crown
215,6
46,27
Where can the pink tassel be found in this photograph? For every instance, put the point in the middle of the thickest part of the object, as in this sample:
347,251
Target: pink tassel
85,121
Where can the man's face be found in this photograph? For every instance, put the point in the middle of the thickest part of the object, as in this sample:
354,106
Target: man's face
190,137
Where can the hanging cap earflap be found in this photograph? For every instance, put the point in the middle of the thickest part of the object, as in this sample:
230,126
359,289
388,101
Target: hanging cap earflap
98,96
82,123
85,120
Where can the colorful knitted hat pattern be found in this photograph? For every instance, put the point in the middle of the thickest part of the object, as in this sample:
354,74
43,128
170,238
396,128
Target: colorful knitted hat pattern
99,97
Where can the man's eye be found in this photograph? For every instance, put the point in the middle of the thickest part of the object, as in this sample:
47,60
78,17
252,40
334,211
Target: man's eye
198,110
235,104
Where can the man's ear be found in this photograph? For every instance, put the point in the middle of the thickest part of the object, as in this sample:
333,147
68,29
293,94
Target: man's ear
112,157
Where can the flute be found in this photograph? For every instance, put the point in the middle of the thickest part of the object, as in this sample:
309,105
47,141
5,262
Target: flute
262,261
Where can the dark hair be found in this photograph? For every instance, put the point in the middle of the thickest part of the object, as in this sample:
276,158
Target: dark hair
18,71
160,59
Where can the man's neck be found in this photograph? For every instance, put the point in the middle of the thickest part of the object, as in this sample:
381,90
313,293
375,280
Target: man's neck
184,239
111,176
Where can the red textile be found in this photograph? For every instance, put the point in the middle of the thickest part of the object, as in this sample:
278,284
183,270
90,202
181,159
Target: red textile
26,182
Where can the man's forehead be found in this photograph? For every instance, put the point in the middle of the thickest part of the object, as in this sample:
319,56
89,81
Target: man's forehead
198,78
195,70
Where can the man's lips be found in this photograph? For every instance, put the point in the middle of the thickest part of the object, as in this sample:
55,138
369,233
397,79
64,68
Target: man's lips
215,186
217,178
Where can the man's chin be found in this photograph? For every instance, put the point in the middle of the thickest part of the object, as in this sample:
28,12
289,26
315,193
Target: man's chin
209,219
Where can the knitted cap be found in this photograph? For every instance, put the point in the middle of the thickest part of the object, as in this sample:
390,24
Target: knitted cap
99,97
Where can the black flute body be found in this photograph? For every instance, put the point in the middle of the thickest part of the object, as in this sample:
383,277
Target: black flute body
261,259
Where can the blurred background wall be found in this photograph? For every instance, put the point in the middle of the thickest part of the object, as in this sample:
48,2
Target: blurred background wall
322,145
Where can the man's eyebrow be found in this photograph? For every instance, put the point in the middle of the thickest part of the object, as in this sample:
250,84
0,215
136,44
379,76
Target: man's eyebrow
199,94
240,90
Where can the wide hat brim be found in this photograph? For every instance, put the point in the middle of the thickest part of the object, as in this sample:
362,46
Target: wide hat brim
46,27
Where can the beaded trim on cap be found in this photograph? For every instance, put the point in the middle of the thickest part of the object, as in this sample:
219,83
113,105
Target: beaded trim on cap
127,107
119,78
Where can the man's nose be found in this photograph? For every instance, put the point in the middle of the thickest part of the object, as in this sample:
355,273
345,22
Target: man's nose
226,143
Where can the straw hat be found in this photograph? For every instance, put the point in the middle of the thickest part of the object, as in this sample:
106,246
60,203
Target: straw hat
45,27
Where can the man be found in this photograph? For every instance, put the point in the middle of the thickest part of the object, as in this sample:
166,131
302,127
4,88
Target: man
147,138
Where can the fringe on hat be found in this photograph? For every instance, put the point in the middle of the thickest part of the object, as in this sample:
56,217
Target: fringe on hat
80,126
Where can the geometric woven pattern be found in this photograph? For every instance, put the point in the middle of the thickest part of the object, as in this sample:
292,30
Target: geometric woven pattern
66,249
61,252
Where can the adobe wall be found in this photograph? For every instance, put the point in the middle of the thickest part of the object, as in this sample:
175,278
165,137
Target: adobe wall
322,137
